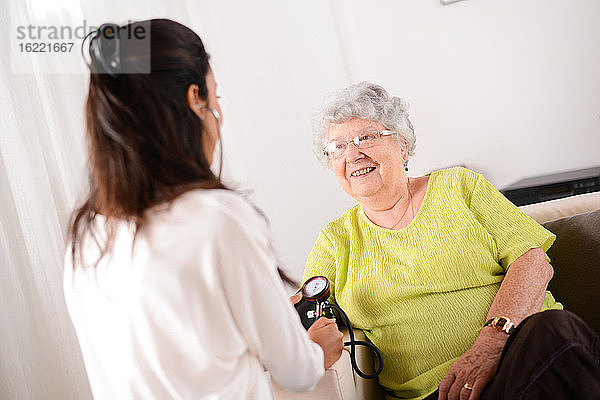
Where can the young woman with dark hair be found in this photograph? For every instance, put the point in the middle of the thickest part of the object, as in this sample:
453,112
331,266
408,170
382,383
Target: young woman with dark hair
170,278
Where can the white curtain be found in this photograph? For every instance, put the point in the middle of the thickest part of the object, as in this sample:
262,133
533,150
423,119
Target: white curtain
41,172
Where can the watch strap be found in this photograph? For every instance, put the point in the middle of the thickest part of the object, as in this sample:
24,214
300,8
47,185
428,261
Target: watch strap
501,324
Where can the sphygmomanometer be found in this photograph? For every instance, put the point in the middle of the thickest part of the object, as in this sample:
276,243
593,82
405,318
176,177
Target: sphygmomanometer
314,305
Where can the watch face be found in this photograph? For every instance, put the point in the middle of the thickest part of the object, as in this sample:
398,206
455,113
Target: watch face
315,286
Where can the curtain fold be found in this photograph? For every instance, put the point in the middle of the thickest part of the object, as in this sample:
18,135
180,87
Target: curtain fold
42,161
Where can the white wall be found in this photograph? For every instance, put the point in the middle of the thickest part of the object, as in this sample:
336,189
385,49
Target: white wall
509,88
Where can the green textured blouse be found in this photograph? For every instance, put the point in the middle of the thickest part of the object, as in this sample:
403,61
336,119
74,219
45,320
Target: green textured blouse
421,293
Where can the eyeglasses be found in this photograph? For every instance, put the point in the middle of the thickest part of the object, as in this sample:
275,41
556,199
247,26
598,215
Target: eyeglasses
364,140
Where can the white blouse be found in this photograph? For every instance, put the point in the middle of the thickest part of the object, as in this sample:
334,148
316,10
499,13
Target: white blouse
194,309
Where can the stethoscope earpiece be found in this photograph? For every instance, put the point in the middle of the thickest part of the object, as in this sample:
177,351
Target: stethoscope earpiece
214,112
217,116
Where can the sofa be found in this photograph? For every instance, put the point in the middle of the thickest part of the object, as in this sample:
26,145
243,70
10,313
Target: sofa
575,256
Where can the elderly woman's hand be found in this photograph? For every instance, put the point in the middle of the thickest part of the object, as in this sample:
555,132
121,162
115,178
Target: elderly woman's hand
476,367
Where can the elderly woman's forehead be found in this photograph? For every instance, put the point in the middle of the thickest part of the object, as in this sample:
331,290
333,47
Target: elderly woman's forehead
352,126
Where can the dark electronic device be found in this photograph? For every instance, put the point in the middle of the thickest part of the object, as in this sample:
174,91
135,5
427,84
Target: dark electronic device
553,186
314,305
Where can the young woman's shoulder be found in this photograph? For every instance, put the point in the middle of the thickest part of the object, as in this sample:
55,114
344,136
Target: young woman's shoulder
217,208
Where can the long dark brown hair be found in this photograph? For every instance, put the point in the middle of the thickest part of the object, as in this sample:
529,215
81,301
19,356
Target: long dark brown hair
145,143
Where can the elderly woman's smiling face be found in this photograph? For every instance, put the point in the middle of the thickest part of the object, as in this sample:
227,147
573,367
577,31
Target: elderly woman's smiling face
374,175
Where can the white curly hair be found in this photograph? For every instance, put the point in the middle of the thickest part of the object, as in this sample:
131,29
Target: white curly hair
363,100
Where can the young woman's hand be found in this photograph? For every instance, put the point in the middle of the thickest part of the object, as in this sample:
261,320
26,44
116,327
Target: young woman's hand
296,298
326,334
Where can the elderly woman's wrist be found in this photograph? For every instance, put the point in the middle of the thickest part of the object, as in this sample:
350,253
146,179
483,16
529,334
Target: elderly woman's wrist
492,339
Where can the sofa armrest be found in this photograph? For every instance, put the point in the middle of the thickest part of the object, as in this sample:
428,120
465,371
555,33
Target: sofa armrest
340,381
336,384
365,388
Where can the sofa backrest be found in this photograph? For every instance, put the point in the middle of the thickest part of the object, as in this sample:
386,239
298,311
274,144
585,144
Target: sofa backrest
575,255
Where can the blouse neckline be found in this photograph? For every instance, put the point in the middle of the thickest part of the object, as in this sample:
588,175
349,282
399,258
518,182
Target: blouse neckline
424,204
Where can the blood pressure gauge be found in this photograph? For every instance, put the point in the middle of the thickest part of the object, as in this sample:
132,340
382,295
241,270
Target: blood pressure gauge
316,288
314,305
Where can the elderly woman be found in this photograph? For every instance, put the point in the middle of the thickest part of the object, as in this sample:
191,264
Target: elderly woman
440,271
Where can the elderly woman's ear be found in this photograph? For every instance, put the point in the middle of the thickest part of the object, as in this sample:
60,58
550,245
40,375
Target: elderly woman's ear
404,146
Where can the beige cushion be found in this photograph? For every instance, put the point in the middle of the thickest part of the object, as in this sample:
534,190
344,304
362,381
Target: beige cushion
561,208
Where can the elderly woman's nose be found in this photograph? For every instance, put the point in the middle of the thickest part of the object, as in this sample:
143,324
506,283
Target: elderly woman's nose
353,153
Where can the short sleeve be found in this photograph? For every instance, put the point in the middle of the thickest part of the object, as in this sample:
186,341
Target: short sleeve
513,231
321,261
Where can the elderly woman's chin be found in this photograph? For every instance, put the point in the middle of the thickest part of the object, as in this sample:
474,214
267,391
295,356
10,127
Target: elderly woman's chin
362,187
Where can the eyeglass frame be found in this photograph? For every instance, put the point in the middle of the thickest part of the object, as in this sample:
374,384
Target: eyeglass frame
355,140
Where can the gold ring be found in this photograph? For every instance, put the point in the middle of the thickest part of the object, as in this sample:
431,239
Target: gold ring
468,386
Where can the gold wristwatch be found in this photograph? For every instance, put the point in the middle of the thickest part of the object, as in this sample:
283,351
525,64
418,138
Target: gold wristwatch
501,324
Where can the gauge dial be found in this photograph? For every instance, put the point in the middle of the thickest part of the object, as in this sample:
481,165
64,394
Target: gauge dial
316,287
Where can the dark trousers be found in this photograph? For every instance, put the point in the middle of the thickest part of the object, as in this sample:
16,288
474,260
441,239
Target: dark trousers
551,355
